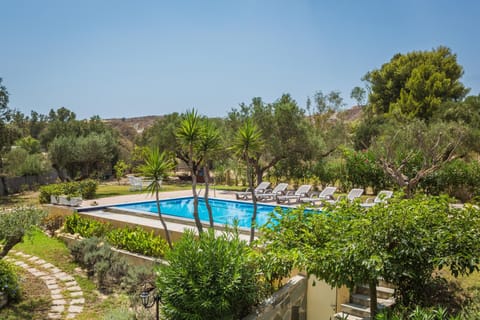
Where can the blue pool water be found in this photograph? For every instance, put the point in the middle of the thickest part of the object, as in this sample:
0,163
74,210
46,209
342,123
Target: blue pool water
224,211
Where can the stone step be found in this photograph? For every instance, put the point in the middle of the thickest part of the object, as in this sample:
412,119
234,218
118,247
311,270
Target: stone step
346,316
383,283
364,300
355,309
382,292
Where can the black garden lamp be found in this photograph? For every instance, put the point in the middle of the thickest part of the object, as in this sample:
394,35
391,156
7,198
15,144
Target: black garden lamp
150,296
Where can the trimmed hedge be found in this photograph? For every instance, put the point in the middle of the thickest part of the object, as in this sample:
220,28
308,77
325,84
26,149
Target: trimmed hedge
87,189
135,240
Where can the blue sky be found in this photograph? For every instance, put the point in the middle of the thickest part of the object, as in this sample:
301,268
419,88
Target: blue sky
133,58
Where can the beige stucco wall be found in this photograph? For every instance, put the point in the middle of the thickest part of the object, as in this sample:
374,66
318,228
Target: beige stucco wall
321,299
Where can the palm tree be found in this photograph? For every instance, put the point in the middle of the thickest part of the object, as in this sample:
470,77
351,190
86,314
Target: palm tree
208,146
156,167
189,134
247,143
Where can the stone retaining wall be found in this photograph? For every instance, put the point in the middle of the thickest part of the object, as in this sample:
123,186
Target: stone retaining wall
288,303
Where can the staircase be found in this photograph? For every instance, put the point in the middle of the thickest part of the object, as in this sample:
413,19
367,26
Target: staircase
359,306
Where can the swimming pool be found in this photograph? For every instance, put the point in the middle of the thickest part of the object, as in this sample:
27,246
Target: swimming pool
224,211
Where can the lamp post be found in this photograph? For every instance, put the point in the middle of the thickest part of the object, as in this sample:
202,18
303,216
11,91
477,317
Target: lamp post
150,296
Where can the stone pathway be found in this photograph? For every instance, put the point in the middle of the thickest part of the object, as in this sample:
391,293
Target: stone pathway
67,296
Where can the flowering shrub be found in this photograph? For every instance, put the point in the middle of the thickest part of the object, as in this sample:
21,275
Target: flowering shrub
8,281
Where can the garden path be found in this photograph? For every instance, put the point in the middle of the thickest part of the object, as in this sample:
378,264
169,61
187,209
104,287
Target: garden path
67,296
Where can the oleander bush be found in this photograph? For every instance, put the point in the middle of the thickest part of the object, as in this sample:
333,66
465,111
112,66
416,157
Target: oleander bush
87,189
9,281
210,277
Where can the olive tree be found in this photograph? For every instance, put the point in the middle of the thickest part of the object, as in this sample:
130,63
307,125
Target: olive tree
15,224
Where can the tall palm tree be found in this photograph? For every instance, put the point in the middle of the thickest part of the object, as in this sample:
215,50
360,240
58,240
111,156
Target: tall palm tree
157,166
247,143
189,134
208,146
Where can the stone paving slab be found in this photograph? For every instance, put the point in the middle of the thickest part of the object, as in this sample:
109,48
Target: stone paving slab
62,307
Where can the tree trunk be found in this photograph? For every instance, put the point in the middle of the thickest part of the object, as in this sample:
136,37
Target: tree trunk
3,181
254,200
259,173
373,298
198,223
9,245
167,233
206,174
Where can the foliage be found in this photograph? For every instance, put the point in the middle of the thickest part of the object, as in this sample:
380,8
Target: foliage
9,281
83,156
138,240
76,224
189,134
208,278
157,166
246,145
16,223
30,144
459,179
120,169
416,84
362,170
132,239
403,243
408,152
332,101
85,188
359,94
18,162
103,264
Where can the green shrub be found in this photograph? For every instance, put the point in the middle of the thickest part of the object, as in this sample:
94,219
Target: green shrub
15,224
132,239
9,281
208,278
138,240
87,189
86,227
104,265
458,179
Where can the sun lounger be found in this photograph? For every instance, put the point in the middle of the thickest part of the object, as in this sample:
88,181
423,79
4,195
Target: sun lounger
302,191
326,194
261,188
351,196
272,195
381,197
136,183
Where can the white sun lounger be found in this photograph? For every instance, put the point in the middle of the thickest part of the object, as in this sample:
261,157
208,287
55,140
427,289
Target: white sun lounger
381,197
326,194
302,191
272,195
261,188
